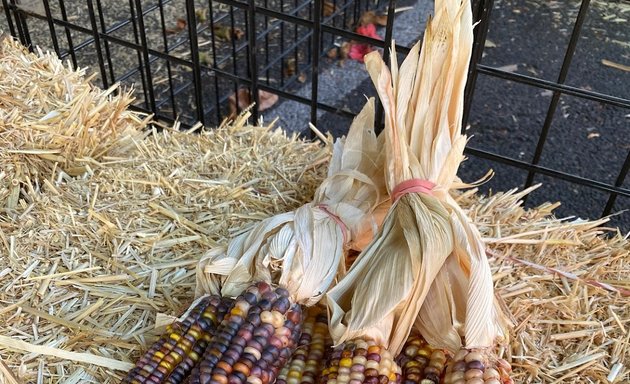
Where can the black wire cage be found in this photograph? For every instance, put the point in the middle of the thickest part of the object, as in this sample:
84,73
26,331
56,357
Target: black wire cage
537,118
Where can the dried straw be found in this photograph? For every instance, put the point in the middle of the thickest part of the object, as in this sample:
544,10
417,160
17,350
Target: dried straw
53,122
90,265
566,285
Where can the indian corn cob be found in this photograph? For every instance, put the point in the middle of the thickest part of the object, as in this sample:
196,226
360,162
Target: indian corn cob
477,367
308,359
172,357
420,362
360,362
254,340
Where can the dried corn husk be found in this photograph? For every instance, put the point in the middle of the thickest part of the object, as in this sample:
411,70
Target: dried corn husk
423,103
303,250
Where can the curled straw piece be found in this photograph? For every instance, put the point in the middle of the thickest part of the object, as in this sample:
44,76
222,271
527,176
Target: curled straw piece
427,263
303,250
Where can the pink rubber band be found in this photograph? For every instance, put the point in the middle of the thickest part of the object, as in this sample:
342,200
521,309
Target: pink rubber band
412,186
340,223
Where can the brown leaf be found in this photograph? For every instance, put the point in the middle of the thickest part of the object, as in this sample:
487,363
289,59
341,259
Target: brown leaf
329,8
302,77
179,26
333,53
238,33
266,100
289,67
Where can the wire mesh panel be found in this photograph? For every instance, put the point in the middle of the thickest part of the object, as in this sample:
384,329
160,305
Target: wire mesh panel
544,112
547,98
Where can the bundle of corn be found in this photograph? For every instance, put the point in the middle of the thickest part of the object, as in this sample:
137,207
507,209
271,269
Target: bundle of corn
58,125
303,250
428,262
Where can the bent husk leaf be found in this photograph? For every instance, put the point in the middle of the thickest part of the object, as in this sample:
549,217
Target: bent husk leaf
303,250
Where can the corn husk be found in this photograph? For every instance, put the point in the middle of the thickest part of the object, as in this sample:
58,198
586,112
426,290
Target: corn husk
428,249
303,250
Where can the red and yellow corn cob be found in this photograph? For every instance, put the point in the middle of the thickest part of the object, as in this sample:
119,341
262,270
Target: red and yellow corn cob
172,357
361,362
254,341
421,363
477,367
308,360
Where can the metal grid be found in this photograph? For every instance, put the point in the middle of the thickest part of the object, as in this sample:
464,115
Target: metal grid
483,9
298,28
196,63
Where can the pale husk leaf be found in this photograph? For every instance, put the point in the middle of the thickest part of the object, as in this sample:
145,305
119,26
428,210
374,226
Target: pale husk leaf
391,267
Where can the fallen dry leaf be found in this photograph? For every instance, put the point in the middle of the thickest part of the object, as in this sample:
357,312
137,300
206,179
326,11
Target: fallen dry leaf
302,77
180,24
222,32
238,33
241,100
290,67
333,53
329,9
202,15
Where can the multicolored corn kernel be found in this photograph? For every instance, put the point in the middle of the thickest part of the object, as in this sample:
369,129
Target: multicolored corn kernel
254,341
172,357
477,367
420,363
308,360
360,362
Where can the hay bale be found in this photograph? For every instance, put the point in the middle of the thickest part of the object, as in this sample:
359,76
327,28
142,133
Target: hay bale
91,263
53,121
